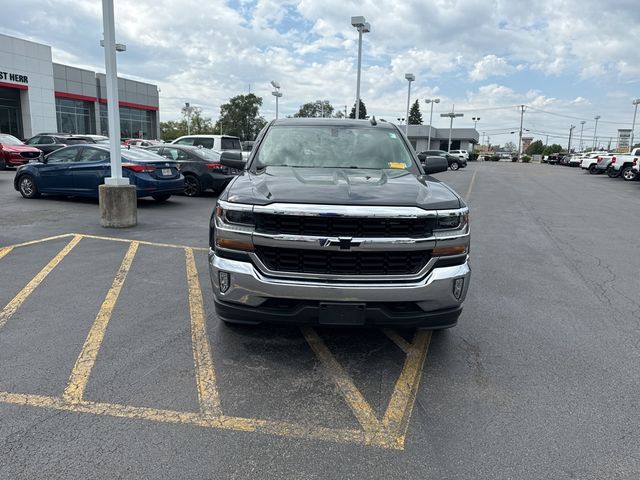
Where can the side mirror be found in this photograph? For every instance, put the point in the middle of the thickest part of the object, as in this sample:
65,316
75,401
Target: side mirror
232,160
435,164
422,157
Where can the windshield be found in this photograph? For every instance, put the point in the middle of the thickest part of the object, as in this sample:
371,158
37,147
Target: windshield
334,147
10,140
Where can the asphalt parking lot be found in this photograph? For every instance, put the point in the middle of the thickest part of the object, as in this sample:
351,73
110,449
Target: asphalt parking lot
113,365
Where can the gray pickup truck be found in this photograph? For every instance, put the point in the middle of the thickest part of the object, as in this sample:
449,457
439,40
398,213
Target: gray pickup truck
336,222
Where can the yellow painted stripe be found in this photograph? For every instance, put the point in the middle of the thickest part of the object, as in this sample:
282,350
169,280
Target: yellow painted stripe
4,251
396,417
473,179
202,359
144,242
356,401
47,239
397,339
22,295
272,427
87,358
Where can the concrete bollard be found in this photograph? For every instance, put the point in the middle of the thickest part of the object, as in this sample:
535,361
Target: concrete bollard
118,206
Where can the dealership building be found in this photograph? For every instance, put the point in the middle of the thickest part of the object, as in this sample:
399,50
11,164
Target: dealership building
461,138
37,95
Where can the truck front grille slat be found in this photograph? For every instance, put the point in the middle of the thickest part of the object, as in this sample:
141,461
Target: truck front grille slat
342,263
344,227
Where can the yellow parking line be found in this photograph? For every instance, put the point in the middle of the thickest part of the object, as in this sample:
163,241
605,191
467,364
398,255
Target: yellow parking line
356,401
202,359
400,342
22,295
47,239
396,418
144,242
4,251
272,427
87,358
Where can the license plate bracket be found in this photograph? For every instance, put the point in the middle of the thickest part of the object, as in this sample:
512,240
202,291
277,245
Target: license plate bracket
342,314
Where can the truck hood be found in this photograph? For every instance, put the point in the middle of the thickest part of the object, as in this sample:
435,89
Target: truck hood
337,186
18,148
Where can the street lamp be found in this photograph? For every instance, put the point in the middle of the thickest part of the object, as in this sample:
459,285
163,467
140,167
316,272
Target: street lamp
581,130
452,114
187,109
475,126
276,93
362,26
410,77
400,120
595,130
633,125
431,101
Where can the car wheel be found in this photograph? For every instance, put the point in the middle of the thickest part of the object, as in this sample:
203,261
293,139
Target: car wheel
161,197
27,187
455,166
592,169
192,187
3,165
628,174
613,173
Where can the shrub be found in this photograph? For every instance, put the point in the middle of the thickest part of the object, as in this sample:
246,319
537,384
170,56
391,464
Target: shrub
473,156
526,158
495,158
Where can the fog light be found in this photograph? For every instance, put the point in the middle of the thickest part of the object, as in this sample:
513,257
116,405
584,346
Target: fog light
225,281
458,285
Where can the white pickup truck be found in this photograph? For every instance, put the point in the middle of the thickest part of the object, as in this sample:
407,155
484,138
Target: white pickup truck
622,165
590,161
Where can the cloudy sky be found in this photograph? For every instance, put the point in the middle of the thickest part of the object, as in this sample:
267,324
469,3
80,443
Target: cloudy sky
567,60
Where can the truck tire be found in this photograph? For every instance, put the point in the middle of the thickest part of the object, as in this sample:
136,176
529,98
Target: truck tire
613,173
455,166
628,174
592,169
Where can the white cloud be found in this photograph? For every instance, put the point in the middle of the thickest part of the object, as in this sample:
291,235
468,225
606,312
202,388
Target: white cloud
490,66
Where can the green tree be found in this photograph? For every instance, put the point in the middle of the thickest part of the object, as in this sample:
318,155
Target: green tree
316,109
555,148
535,148
197,124
240,116
363,110
172,129
415,117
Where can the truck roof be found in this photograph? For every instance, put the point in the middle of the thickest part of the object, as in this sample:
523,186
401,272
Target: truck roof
342,122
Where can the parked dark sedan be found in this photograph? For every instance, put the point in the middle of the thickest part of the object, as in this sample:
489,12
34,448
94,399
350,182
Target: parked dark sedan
201,167
50,142
455,162
78,170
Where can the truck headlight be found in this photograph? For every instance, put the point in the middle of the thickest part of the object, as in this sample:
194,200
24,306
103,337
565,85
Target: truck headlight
235,214
452,220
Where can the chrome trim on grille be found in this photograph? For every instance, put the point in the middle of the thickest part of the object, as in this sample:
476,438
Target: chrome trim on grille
315,210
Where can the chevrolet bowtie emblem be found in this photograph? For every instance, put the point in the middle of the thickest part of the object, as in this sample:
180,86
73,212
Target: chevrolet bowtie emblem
345,243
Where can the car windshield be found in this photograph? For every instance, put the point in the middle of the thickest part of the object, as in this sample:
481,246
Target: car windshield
334,147
137,155
10,140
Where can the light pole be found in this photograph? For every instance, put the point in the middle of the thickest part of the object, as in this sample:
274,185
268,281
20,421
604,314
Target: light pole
581,130
570,135
595,130
410,77
117,199
633,125
362,26
400,120
187,109
431,101
475,126
452,114
276,93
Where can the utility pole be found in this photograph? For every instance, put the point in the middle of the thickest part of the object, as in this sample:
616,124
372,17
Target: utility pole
581,129
633,125
546,141
345,111
452,114
410,77
483,139
570,134
187,109
520,136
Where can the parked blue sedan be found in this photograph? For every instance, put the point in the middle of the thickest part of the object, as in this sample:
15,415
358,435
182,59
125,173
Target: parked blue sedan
78,170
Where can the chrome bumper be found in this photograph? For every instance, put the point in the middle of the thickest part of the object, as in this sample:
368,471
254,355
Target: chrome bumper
249,287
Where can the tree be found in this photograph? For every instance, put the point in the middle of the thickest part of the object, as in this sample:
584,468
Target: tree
510,147
535,148
415,117
240,117
363,110
172,129
198,125
319,108
555,148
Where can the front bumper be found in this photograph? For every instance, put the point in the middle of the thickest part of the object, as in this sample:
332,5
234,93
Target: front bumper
250,296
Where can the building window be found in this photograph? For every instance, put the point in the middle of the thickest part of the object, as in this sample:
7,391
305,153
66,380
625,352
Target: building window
134,122
74,116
